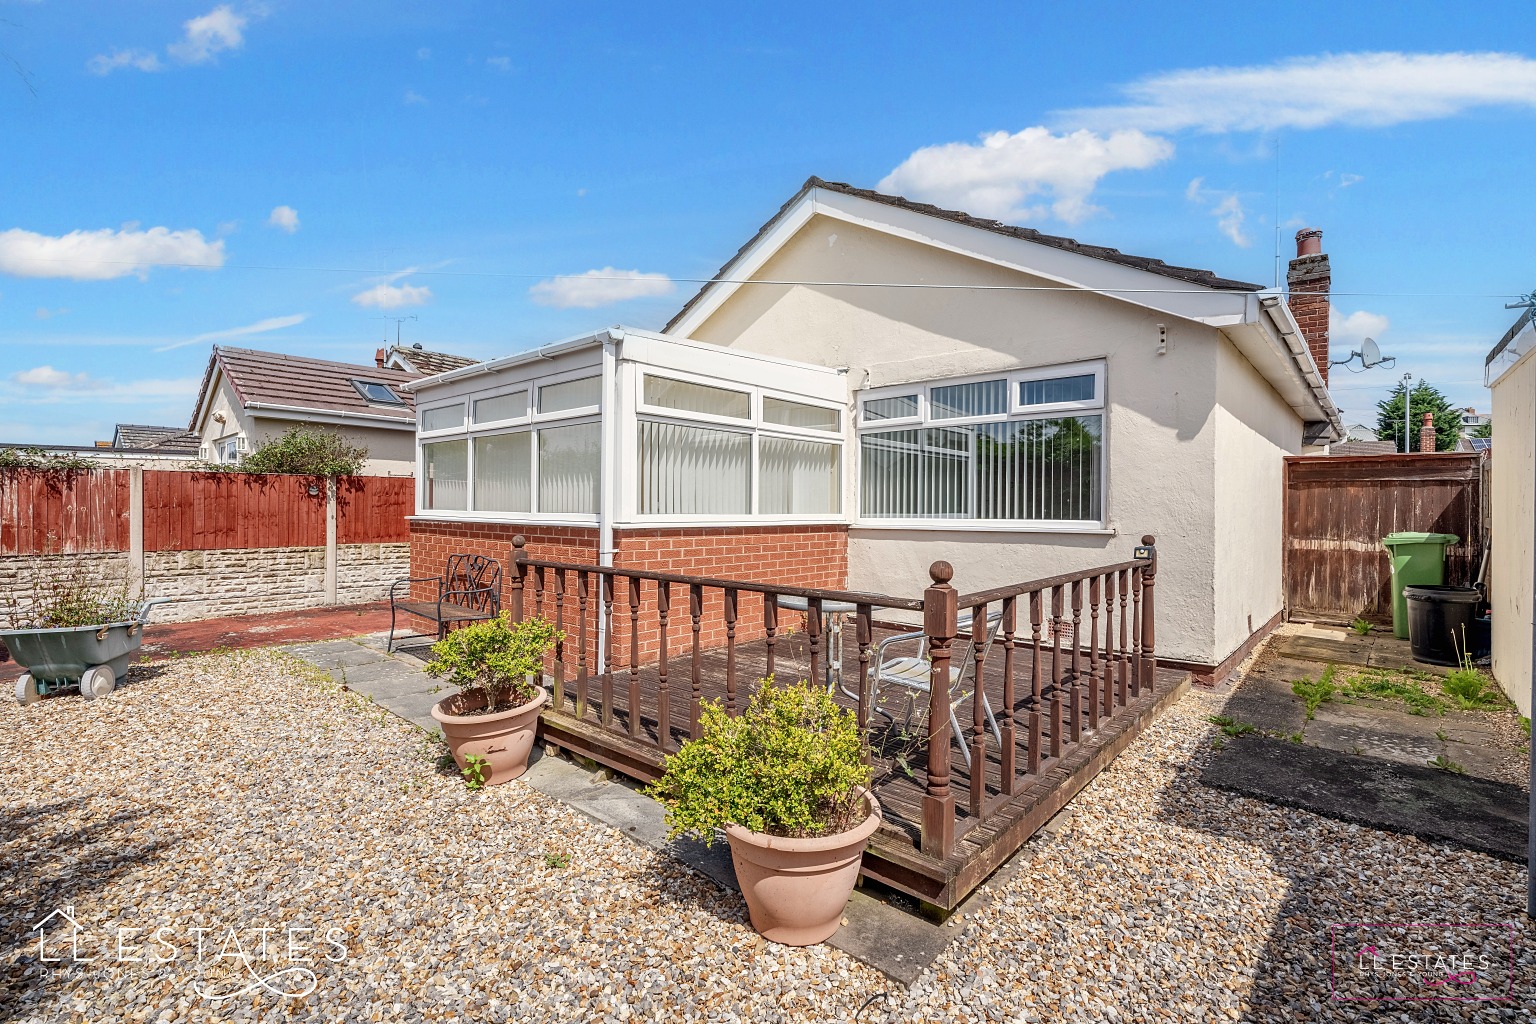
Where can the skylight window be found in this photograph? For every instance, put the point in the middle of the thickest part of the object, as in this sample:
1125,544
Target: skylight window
374,391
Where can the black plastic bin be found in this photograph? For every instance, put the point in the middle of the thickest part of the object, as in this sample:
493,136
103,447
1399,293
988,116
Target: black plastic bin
1440,622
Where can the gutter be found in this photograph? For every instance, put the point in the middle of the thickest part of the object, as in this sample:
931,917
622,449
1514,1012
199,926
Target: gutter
1301,356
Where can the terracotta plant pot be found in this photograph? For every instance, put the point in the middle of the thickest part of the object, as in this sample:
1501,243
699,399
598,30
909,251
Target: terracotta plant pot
503,738
796,889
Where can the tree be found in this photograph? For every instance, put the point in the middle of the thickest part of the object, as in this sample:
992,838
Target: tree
1483,430
1426,398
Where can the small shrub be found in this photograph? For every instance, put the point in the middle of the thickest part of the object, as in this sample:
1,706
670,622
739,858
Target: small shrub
40,459
1361,626
492,661
68,594
790,765
306,450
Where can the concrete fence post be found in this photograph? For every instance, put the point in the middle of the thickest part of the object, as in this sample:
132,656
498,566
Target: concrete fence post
330,540
136,581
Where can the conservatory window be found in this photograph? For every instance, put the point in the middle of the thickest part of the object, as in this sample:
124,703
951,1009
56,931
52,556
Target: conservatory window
497,408
569,460
664,393
446,417
688,470
982,460
445,475
571,394
799,414
800,477
504,472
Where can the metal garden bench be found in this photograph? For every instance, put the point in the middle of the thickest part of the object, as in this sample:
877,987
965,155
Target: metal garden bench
468,590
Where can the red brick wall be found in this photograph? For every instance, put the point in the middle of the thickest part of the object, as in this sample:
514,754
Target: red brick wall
798,556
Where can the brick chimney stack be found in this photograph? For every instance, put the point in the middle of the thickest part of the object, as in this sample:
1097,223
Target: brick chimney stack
378,358
1309,273
1427,433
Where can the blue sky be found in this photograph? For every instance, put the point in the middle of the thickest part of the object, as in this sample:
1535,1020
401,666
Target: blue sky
330,165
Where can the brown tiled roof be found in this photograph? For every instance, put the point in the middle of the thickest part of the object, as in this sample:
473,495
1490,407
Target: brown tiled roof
272,378
1203,278
430,362
169,439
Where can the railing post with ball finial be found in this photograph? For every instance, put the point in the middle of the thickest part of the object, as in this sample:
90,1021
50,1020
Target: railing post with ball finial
940,623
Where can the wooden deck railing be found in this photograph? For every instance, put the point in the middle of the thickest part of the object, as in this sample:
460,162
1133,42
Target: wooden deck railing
1075,682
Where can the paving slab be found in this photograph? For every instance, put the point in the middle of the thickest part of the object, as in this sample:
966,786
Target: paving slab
1440,806
1378,731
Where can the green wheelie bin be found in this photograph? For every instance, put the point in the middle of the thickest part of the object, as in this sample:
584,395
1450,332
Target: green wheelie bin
1418,560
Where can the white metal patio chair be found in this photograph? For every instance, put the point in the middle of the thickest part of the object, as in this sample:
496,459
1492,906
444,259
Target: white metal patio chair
913,672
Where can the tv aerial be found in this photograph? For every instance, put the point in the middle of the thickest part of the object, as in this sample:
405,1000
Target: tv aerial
1369,355
398,321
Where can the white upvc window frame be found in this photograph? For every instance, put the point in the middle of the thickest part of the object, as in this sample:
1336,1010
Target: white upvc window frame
1016,412
531,422
754,425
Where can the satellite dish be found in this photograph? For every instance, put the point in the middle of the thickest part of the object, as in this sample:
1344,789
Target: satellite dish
1370,353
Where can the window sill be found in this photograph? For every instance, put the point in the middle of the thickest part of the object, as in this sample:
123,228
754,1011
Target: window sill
511,518
972,526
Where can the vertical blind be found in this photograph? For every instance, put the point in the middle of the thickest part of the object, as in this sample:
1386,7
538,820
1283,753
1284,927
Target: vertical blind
445,481
504,472
799,477
569,460
694,470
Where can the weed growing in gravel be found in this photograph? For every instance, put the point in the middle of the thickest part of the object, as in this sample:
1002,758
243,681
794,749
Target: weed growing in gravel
1231,726
1400,686
557,860
1361,626
1441,736
1445,764
475,769
1470,690
1525,726
1314,694
1218,743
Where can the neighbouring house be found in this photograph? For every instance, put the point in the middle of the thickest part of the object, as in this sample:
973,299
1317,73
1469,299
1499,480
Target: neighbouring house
416,359
1361,432
871,385
1472,421
1511,374
137,437
1350,448
249,397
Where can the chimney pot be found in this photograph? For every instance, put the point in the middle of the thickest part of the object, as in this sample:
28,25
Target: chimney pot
1309,241
378,358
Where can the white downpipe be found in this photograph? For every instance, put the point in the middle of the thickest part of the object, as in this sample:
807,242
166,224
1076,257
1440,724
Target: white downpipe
608,489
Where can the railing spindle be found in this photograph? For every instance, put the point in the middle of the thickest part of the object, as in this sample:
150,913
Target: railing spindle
939,617
607,599
978,706
1033,753
1008,754
538,592
1095,685
1124,666
864,634
1136,584
1036,684
1148,623
634,657
730,650
583,598
1056,724
1076,669
771,627
663,692
1057,601
519,573
695,612
813,628
559,666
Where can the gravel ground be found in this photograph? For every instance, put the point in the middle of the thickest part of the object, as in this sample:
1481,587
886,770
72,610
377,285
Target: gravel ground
242,795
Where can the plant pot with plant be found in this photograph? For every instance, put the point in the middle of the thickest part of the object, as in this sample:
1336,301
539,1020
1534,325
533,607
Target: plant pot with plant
787,781
490,723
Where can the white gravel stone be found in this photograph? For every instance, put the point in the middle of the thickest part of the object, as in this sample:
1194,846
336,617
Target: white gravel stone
245,791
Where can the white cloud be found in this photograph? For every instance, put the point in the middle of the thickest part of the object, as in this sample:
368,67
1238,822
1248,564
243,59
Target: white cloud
208,35
1357,325
54,380
271,323
1226,207
998,176
1346,180
599,288
1361,89
104,254
413,97
393,296
502,64
106,63
285,217
44,313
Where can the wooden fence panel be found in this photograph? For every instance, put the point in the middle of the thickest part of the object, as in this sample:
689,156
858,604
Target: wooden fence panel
372,509
1337,509
207,511
63,512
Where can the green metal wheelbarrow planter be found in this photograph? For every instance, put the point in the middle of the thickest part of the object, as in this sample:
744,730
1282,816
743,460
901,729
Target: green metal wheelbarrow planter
94,658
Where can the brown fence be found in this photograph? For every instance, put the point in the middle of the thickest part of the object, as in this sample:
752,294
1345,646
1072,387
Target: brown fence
67,512
1337,509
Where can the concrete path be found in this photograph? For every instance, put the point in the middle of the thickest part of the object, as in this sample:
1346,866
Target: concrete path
1489,817
899,943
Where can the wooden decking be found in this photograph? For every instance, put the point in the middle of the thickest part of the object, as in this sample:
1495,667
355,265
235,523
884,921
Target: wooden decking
900,754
